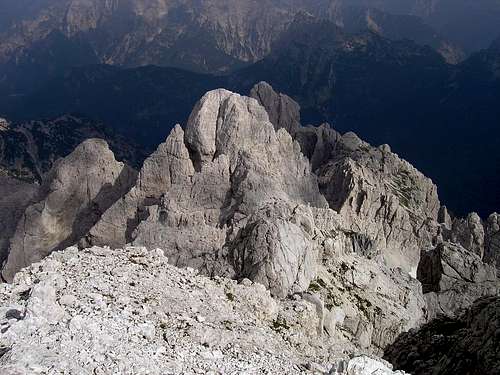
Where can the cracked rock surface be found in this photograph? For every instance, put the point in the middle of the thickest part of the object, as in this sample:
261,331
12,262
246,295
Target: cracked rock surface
72,199
468,344
128,311
316,216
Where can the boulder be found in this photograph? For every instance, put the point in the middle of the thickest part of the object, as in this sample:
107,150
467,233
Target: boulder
469,233
453,278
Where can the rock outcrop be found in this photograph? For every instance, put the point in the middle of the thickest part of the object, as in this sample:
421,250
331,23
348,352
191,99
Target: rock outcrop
72,199
492,244
468,344
202,187
453,278
389,206
284,112
29,150
317,216
101,311
15,196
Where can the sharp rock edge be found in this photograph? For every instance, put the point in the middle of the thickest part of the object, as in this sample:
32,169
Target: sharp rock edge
245,192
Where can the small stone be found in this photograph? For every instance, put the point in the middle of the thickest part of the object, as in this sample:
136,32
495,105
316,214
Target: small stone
68,300
246,282
14,314
148,330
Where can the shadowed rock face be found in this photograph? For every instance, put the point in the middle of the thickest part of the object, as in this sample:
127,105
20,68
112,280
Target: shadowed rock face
15,196
453,278
317,214
75,194
492,244
464,345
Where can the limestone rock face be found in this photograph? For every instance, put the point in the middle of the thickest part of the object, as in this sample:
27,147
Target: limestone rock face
168,165
368,302
75,194
201,187
453,278
469,232
277,249
492,245
284,113
318,216
100,311
464,345
389,206
384,199
15,196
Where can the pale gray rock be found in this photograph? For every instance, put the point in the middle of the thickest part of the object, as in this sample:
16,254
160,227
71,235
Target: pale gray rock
444,217
319,214
366,366
168,165
453,278
469,233
284,112
492,244
367,302
201,188
138,314
277,249
387,204
76,192
389,208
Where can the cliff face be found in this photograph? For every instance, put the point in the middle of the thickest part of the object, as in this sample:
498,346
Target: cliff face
314,213
208,36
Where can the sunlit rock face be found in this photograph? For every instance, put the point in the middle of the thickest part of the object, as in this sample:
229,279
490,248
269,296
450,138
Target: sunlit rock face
351,228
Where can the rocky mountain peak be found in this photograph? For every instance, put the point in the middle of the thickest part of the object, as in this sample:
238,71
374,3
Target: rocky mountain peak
284,112
72,198
351,228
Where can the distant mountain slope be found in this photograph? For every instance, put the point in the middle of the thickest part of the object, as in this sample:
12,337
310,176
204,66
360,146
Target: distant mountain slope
398,27
141,103
212,36
471,24
29,150
441,117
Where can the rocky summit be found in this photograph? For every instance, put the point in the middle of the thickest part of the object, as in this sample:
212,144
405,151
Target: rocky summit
127,311
285,249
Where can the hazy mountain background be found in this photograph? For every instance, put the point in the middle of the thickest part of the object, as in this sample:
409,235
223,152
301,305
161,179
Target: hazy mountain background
421,75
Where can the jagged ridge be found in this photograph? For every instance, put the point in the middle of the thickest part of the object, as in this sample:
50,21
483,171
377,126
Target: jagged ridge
236,195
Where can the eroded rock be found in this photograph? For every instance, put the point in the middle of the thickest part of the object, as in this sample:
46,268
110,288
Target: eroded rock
72,199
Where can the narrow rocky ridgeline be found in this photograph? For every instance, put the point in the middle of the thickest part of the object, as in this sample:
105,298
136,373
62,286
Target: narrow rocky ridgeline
246,193
128,311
